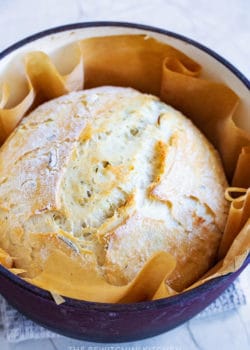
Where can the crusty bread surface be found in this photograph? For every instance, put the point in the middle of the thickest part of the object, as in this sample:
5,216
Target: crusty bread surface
114,175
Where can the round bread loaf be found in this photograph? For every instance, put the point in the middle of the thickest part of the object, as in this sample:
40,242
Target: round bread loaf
120,175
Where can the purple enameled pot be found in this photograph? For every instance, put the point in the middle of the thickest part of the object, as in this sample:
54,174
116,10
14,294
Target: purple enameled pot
103,322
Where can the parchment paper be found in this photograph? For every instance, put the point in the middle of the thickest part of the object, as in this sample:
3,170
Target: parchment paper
150,66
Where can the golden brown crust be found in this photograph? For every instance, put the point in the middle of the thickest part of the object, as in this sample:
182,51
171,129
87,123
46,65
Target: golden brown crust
112,176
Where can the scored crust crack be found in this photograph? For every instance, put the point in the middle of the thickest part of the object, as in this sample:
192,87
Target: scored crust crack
113,175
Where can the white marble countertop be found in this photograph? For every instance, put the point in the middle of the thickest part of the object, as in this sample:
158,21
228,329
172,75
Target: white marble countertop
222,25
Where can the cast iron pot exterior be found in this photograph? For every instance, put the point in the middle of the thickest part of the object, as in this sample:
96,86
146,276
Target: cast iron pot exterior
102,322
